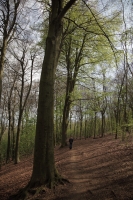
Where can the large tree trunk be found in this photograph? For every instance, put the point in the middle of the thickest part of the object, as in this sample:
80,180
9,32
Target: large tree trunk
44,165
44,171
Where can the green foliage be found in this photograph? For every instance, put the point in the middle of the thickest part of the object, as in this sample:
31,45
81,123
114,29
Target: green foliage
27,143
3,147
27,136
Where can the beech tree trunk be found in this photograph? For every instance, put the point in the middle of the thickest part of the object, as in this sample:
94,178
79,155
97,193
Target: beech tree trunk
44,171
44,166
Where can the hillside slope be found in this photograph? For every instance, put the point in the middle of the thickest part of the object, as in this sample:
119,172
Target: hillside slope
97,169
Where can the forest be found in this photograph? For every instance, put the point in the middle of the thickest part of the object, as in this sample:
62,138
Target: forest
66,70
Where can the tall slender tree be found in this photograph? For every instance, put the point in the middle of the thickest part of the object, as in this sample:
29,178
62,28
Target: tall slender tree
8,19
72,72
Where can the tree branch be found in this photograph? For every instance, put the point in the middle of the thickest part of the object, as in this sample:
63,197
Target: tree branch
104,33
65,9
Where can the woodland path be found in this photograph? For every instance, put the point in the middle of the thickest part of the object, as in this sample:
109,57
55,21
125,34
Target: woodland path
98,169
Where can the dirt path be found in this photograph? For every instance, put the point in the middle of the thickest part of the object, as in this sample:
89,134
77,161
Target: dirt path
98,169
77,179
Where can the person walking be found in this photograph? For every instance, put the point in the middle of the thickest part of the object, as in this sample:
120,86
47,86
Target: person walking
70,142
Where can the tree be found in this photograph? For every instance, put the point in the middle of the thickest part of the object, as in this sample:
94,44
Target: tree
25,63
3,123
44,171
8,19
72,72
83,48
10,81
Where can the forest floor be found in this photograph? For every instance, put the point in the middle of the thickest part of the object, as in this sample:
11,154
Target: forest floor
97,169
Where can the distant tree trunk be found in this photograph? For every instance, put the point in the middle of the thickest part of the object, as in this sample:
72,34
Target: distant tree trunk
9,134
65,120
95,125
104,106
91,127
81,121
69,89
85,130
75,128
111,119
116,121
70,117
117,110
81,128
56,129
125,115
17,160
131,111
13,136
9,122
1,133
2,130
103,124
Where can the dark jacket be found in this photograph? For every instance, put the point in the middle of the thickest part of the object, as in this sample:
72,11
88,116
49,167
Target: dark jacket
71,140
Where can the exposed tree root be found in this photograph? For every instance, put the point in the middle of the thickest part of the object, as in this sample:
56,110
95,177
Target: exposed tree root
24,193
63,181
36,188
